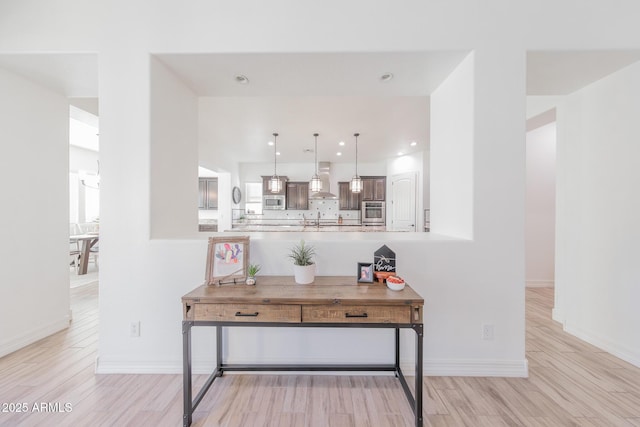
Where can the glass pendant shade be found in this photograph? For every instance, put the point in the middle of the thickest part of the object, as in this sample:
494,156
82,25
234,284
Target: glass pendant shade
356,182
275,185
315,185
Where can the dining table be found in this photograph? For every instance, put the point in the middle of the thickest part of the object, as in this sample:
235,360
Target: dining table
88,240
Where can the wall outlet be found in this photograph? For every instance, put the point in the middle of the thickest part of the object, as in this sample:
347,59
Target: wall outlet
134,329
487,331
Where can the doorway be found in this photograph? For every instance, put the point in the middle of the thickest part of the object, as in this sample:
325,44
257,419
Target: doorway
540,213
84,194
403,202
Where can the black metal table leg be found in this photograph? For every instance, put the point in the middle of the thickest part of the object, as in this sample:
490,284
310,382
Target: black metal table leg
186,372
418,388
415,400
397,350
219,348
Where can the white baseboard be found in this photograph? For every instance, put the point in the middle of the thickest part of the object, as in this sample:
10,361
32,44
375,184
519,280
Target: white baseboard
458,368
615,349
540,284
106,365
35,334
557,316
476,368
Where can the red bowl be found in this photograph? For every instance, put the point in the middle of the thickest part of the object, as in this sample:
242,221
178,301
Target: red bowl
382,275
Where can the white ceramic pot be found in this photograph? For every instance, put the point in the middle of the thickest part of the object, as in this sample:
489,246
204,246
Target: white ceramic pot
304,274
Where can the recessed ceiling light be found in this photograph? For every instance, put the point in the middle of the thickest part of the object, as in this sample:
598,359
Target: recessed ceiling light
386,77
270,143
277,153
341,143
413,143
243,80
400,153
338,153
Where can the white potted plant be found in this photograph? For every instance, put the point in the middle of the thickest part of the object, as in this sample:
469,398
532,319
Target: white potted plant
304,268
252,270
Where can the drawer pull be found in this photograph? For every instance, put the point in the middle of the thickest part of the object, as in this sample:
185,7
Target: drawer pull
241,314
355,315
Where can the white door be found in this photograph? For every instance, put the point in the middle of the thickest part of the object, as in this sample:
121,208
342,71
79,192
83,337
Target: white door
403,202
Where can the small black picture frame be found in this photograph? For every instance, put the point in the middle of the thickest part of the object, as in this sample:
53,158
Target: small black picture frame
365,272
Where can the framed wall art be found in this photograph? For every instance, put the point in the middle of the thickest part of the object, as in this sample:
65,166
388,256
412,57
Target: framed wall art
365,272
227,260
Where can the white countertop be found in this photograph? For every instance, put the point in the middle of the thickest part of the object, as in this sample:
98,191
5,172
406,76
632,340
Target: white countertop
322,228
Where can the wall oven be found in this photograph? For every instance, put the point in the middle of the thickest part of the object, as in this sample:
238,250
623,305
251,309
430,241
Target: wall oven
373,213
273,202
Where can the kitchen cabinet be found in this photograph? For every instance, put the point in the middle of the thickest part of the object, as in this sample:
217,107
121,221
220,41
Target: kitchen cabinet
374,188
265,186
208,193
348,201
298,195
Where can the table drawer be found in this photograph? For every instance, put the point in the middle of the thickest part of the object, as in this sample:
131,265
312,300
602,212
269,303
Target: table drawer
355,314
248,312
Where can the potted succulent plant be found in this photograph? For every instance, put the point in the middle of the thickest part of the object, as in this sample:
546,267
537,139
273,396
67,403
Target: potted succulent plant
304,268
252,270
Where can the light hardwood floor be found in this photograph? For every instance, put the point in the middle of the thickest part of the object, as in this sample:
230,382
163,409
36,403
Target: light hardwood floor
571,383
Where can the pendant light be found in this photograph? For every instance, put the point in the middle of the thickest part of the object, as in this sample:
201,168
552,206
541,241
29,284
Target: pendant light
315,184
275,185
356,182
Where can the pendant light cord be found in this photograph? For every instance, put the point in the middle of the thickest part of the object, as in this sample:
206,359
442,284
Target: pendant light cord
275,154
316,151
356,135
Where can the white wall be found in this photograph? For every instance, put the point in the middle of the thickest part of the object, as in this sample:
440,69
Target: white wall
34,272
598,207
84,203
465,283
541,205
174,151
488,272
83,159
452,137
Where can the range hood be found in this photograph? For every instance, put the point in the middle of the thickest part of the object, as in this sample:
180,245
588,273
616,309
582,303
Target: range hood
324,169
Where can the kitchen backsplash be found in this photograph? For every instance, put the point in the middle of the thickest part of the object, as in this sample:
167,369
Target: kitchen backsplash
328,210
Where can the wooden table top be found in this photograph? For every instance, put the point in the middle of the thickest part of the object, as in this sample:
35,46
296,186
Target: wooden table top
86,236
324,290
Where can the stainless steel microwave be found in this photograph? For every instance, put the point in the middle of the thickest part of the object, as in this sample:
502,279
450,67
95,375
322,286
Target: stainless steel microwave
273,202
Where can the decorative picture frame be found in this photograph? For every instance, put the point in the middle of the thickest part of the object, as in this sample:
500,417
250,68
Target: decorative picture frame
227,260
365,272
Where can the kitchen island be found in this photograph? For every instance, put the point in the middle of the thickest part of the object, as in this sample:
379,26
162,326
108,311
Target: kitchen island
298,227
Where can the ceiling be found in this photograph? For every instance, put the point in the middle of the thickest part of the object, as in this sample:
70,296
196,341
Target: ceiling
314,74
561,73
335,94
70,74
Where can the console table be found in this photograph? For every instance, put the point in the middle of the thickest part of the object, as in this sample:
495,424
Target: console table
276,301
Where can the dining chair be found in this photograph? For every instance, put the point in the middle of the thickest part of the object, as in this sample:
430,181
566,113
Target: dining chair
74,246
91,228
